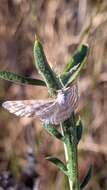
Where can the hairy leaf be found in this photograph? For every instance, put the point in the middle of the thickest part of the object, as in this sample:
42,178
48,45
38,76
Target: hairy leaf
79,128
44,68
77,58
13,77
74,66
87,177
53,131
58,163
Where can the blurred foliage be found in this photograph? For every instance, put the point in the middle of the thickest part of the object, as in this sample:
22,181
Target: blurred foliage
62,25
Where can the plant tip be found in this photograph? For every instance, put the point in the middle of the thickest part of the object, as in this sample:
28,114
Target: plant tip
36,38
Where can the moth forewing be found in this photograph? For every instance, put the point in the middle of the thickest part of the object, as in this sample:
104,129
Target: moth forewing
49,111
27,108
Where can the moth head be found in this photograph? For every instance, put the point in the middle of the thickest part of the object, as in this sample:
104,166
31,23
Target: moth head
61,96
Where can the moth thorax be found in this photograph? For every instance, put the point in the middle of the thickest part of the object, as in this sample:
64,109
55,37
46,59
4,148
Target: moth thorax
61,97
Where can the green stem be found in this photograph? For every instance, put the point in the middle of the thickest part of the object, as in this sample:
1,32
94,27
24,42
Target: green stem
70,146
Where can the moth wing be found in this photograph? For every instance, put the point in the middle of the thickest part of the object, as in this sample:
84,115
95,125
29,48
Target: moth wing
27,108
72,97
48,111
64,111
57,112
48,114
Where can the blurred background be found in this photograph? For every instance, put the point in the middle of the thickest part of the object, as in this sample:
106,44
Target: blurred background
61,25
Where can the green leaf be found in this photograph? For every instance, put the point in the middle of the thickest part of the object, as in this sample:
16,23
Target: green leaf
79,128
78,57
44,68
53,131
75,66
58,163
87,177
13,77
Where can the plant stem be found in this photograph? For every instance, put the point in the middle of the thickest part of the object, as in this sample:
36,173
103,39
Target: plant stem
69,126
70,146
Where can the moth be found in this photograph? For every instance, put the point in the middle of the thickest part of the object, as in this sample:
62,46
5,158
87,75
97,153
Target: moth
52,111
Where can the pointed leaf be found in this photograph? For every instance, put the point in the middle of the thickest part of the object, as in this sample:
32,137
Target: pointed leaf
73,77
44,68
75,66
13,77
87,177
78,57
53,131
79,128
58,163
